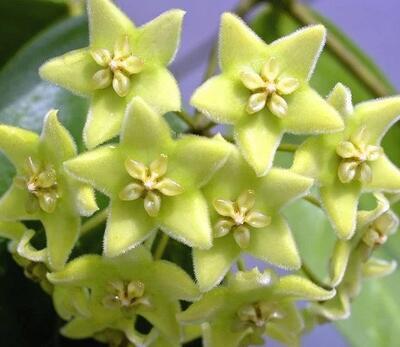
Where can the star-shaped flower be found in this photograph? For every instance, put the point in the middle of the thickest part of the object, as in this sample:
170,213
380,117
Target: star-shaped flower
121,62
245,215
263,90
33,262
153,181
95,294
352,161
352,260
41,189
253,304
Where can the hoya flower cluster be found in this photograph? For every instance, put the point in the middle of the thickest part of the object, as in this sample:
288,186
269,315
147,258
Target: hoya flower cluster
221,199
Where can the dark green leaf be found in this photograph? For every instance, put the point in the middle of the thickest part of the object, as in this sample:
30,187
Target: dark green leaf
22,19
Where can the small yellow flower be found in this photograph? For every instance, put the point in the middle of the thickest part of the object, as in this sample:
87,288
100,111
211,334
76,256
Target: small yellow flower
355,155
257,314
240,216
150,183
117,67
125,295
42,186
268,88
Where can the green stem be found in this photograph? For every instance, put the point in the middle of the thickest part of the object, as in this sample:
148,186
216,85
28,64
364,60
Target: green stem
288,147
312,200
98,219
162,245
305,16
184,116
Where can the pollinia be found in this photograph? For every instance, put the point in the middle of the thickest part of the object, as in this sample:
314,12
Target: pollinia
221,196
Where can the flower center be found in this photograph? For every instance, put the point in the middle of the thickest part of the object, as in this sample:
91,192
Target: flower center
125,295
239,216
118,67
356,156
258,314
268,88
149,183
41,183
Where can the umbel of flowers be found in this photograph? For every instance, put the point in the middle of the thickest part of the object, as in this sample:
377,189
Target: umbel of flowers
220,199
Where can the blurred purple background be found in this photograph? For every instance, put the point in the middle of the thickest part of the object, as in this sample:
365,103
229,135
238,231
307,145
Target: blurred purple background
373,25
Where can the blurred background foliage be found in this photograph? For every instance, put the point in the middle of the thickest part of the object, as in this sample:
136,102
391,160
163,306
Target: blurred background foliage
31,31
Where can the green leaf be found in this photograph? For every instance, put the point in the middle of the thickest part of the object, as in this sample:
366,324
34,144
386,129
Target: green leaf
20,20
26,101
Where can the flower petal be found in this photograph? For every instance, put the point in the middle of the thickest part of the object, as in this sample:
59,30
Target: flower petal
301,288
316,158
340,99
258,137
13,205
159,39
18,145
210,266
282,187
385,175
62,231
298,53
221,99
158,87
12,230
377,116
174,281
275,244
196,159
220,333
238,44
80,328
340,202
103,168
85,200
185,218
127,226
104,119
308,113
339,261
73,71
107,24
57,143
162,316
206,308
145,130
